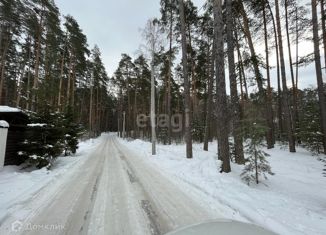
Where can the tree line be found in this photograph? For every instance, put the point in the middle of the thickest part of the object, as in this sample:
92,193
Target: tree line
45,62
202,51
207,63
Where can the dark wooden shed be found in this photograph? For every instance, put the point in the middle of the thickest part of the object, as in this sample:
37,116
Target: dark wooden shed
18,121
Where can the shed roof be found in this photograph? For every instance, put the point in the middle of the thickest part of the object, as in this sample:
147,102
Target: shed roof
7,109
13,116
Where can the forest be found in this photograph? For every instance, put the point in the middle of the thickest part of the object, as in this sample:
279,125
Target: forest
211,66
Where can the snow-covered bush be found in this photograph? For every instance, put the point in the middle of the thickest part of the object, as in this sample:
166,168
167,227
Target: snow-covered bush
44,138
72,132
49,135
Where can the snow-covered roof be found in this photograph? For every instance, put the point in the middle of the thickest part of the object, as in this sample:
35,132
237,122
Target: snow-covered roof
4,124
7,109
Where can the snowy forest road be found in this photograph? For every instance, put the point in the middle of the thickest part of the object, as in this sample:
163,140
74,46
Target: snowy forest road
114,192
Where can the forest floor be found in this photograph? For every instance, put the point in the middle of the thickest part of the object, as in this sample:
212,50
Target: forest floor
114,186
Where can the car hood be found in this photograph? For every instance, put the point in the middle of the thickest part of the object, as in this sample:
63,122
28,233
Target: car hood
222,227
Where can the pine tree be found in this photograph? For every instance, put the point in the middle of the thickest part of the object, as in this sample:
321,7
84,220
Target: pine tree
223,130
188,114
256,163
198,129
169,12
10,30
286,106
309,132
77,51
45,138
235,105
43,61
72,131
320,82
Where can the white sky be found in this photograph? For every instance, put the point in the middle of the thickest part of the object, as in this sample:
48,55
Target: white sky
115,27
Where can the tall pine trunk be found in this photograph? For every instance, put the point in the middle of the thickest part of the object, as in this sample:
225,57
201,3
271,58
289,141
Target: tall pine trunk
286,108
210,97
323,25
238,141
73,86
188,125
37,63
61,81
222,117
2,69
257,73
242,75
69,82
269,109
170,76
320,83
23,70
253,53
279,90
294,90
297,49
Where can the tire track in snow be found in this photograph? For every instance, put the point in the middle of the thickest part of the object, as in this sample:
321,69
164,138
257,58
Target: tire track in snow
171,206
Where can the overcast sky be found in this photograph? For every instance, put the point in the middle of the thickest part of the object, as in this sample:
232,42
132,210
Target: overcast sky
114,25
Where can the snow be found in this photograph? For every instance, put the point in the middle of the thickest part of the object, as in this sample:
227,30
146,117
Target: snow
34,156
36,125
4,124
290,202
7,109
18,186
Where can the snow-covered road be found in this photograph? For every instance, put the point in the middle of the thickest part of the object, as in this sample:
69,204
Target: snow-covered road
114,191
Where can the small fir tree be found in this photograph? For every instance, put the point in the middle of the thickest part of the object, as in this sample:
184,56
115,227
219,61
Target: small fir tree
256,163
162,135
198,130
